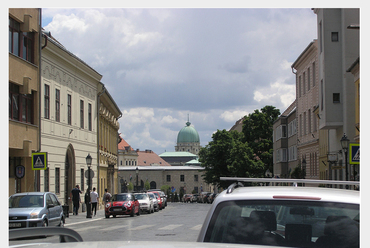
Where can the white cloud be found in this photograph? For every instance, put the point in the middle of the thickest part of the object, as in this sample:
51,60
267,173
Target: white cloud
162,64
232,116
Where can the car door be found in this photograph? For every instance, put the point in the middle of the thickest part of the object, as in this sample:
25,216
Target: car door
52,210
58,208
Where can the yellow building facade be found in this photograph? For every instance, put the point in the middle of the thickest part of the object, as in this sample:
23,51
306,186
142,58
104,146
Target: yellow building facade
24,88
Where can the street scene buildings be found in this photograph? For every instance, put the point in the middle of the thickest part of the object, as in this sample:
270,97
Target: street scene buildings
60,113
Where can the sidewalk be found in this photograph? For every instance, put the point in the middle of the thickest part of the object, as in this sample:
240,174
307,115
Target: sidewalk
81,217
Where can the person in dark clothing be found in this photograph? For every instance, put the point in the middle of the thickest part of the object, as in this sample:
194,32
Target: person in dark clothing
76,199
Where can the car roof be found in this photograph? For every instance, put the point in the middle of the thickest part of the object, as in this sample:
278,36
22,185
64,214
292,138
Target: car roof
31,193
291,193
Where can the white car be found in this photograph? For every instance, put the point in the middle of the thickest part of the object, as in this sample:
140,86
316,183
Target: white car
284,216
146,204
153,197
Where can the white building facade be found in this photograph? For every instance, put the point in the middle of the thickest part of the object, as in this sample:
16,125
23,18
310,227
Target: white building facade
68,120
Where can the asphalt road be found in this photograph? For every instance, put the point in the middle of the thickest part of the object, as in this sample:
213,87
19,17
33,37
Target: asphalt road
177,222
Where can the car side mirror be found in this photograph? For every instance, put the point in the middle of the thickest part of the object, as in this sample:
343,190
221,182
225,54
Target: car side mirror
50,205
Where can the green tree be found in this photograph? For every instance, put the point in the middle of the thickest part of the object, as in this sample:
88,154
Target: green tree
257,130
216,157
147,185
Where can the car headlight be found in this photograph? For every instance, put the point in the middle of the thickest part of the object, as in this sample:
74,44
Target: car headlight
128,204
107,206
34,215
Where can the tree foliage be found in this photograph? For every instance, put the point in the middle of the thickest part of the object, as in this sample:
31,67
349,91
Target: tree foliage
245,154
257,130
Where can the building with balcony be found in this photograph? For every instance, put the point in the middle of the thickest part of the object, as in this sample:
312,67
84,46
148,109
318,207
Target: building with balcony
24,96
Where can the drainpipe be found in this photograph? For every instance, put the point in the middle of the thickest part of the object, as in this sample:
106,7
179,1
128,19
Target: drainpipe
98,132
39,93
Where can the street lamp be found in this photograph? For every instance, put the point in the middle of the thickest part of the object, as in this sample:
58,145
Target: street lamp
137,178
344,141
87,195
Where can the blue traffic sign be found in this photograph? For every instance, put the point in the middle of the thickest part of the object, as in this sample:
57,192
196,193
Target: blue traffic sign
354,153
39,161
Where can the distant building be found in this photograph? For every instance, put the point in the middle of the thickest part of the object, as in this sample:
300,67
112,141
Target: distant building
179,158
285,157
188,140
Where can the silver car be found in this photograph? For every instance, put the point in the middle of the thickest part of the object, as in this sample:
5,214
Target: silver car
284,216
35,209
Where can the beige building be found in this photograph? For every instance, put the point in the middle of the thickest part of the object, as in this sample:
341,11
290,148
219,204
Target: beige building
24,90
307,94
107,170
285,157
69,90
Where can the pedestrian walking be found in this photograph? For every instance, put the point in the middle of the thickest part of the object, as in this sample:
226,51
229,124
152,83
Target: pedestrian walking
76,199
94,200
106,196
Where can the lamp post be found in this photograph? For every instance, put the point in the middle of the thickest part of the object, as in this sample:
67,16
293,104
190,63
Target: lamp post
87,195
137,178
344,141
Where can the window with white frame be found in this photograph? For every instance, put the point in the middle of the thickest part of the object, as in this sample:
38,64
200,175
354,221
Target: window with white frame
281,155
281,132
292,153
292,128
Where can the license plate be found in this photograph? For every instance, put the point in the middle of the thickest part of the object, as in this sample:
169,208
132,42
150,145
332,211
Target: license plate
15,224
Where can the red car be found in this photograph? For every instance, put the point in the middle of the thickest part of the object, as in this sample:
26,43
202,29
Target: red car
160,202
122,204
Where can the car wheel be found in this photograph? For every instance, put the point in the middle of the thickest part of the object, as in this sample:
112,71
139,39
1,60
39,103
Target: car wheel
114,216
106,216
44,223
132,212
138,212
61,223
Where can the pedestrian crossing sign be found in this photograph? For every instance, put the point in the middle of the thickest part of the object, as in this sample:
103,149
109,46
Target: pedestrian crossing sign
354,153
39,160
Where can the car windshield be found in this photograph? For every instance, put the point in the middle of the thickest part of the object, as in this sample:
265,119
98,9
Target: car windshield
141,196
26,201
285,223
121,198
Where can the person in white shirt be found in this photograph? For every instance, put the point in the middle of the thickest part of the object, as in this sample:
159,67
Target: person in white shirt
94,200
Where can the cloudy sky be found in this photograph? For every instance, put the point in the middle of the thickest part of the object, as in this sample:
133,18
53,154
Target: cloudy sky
161,65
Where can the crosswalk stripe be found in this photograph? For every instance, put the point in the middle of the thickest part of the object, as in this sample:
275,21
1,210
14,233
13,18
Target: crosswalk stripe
85,228
140,227
169,227
197,227
113,228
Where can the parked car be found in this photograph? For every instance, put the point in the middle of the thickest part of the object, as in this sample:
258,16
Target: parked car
201,198
194,198
35,209
160,202
211,198
155,201
122,204
162,195
188,197
284,216
146,204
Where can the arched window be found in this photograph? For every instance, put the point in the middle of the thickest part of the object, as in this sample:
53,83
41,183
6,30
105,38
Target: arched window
153,185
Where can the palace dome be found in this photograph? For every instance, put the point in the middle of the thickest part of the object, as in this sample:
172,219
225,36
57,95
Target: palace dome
188,134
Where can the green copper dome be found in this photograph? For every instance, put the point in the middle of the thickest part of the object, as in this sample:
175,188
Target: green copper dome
188,134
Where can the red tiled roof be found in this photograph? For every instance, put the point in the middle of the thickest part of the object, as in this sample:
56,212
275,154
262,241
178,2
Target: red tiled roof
123,144
148,158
